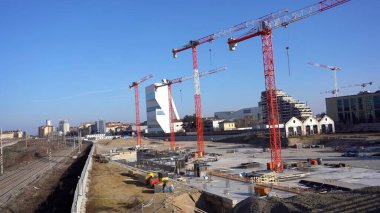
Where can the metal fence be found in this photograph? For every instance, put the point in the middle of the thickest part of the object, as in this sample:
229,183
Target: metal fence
79,201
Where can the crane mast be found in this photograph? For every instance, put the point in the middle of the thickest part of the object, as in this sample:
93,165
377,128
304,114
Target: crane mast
197,95
259,27
271,102
169,83
137,106
171,118
264,27
333,69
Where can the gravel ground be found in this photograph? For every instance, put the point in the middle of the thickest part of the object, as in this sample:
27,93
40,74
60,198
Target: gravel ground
362,200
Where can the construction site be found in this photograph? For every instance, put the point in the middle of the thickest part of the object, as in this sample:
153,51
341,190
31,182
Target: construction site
242,173
235,176
294,162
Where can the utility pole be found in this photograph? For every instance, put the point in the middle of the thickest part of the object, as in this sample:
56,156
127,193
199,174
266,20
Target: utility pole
26,139
49,145
79,143
64,139
74,143
1,153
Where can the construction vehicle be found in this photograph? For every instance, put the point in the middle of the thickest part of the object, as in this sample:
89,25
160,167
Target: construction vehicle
160,182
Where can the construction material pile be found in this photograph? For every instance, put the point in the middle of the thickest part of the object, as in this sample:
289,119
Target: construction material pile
361,200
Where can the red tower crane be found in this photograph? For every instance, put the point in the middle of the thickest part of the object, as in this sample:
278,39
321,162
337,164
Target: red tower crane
135,84
260,27
169,83
263,27
197,95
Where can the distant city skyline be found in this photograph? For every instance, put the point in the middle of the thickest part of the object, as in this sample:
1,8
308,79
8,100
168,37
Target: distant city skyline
74,60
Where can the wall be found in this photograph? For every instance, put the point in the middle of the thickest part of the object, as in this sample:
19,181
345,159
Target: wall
79,202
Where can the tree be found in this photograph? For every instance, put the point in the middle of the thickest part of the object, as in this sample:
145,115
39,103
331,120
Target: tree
248,121
189,123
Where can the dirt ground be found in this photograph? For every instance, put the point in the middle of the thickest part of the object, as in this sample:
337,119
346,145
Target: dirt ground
111,190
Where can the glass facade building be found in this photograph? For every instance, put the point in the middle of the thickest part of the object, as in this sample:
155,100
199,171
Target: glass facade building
354,109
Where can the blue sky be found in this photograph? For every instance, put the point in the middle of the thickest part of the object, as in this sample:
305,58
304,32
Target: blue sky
75,59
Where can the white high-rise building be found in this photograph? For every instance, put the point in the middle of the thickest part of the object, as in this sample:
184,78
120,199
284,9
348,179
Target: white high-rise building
64,126
157,109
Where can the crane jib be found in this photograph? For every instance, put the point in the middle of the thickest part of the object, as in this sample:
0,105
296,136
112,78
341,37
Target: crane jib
271,21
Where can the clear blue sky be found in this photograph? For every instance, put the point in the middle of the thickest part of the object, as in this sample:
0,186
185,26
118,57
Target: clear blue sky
75,59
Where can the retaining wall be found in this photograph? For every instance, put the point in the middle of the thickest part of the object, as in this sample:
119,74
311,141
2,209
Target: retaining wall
79,202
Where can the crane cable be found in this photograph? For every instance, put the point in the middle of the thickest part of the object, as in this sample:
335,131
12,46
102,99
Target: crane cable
287,54
287,48
210,53
210,50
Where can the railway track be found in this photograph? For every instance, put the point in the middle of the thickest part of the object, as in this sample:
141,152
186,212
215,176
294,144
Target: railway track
12,182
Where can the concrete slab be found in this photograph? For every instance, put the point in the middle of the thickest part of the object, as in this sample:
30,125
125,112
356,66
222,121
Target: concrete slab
236,190
340,185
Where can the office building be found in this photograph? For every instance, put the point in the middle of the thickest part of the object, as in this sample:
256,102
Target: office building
45,131
352,110
157,109
240,114
64,126
101,127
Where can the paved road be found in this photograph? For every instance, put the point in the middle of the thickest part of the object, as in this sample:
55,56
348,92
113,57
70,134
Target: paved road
13,181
